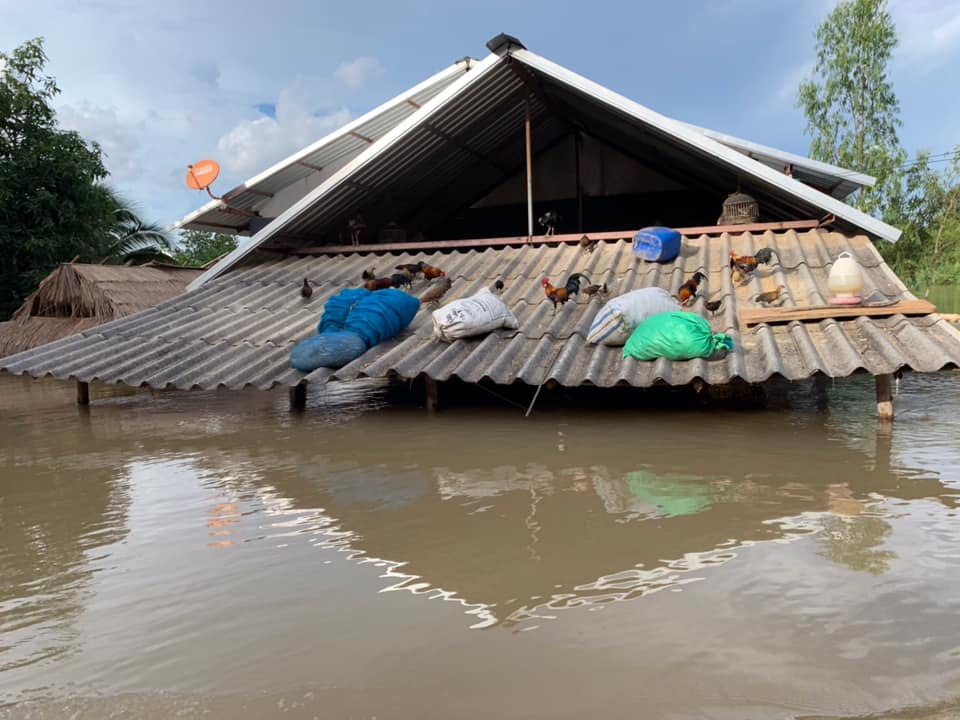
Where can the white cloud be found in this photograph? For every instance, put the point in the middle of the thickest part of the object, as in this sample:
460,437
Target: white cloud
118,140
789,85
357,73
929,30
253,145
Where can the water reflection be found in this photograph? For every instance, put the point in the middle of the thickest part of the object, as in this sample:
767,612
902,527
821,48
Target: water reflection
173,544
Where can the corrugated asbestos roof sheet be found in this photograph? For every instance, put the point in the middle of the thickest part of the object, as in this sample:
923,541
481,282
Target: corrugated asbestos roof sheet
238,330
320,159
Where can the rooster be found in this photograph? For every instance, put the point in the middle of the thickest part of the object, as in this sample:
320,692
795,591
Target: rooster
549,220
559,295
306,290
412,268
746,264
688,291
356,225
430,272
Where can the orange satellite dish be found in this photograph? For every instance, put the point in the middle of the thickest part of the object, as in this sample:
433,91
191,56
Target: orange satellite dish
201,175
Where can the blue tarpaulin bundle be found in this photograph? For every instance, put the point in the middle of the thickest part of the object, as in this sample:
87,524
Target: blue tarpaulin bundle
354,320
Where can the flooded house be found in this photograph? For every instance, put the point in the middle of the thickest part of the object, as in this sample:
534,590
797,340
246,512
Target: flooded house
455,172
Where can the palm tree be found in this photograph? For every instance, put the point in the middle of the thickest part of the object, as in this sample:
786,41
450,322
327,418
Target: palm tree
127,238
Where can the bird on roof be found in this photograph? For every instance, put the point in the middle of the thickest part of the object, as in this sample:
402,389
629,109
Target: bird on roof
356,225
306,290
772,296
498,287
549,220
713,306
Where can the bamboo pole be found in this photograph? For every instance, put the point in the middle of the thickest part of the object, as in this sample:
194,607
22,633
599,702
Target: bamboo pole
431,394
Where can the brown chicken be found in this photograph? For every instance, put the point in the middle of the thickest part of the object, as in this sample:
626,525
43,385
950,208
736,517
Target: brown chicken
430,272
378,283
588,245
688,291
559,295
306,290
767,298
592,290
436,292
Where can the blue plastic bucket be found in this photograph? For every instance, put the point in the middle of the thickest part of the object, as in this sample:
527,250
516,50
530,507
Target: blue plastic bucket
656,244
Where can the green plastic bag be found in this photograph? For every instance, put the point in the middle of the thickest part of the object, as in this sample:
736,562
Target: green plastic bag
675,336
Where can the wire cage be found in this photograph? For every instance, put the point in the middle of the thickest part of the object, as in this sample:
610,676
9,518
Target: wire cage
739,209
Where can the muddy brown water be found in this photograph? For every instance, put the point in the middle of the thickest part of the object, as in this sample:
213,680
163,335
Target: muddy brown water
210,555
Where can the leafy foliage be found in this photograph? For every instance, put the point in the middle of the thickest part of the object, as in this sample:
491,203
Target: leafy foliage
50,206
852,111
54,205
197,248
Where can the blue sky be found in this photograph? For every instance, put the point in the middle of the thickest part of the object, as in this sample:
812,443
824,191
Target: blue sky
162,84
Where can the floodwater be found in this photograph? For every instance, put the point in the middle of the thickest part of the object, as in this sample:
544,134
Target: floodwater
210,555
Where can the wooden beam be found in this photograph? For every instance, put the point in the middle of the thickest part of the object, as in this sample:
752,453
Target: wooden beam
884,398
543,239
412,104
83,393
773,316
463,146
358,136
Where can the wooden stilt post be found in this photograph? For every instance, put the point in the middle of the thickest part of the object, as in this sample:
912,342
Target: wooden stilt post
820,389
298,397
529,174
432,394
884,398
83,393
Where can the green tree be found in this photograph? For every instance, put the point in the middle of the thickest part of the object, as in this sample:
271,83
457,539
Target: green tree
198,248
126,238
851,109
928,252
50,206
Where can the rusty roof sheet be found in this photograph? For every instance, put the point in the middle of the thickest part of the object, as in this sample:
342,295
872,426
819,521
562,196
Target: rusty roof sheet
238,330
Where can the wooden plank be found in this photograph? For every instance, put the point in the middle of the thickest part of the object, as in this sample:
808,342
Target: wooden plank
826,312
543,239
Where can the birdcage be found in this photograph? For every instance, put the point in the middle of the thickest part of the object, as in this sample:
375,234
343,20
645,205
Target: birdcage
739,209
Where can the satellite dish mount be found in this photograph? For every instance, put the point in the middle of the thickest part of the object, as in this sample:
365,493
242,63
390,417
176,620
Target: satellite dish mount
202,175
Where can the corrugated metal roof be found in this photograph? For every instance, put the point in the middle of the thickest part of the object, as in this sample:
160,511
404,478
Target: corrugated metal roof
238,330
833,180
413,165
321,159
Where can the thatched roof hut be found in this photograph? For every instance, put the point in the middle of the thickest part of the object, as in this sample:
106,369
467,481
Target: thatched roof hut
75,297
